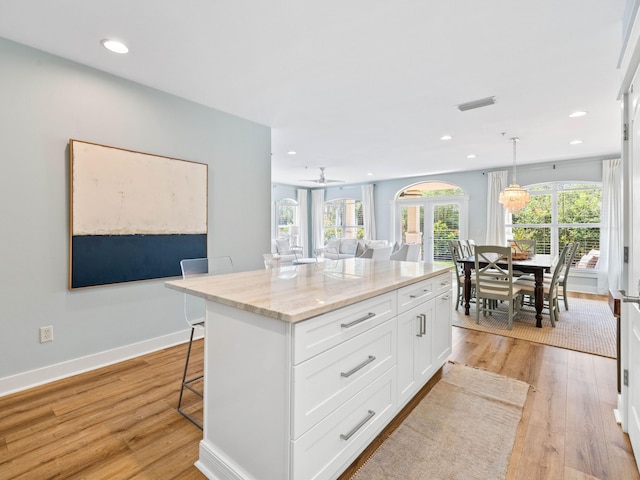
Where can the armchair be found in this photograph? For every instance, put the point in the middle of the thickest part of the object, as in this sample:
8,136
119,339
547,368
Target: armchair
284,251
409,252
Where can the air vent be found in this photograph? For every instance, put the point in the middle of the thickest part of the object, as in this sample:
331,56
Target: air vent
483,102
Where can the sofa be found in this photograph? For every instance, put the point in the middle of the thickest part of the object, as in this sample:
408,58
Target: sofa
340,248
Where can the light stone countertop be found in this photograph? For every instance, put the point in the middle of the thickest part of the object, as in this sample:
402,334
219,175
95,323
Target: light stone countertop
296,293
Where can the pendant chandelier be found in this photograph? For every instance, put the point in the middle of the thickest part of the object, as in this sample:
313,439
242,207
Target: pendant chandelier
514,197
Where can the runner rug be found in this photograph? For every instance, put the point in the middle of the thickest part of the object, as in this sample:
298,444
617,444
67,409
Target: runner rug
588,326
464,429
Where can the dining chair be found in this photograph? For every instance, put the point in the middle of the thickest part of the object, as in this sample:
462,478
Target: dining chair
550,288
463,249
494,281
454,250
471,244
194,314
564,275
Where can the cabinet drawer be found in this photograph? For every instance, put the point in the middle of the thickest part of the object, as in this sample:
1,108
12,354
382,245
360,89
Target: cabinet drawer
314,336
325,450
323,383
443,283
415,294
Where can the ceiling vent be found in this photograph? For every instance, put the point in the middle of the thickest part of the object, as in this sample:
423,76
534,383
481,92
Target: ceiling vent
483,102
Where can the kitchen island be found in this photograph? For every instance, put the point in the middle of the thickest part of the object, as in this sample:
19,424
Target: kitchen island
305,365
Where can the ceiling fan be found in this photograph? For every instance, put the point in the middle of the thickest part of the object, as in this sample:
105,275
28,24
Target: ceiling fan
322,180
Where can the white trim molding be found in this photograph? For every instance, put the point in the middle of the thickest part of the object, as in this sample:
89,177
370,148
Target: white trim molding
69,368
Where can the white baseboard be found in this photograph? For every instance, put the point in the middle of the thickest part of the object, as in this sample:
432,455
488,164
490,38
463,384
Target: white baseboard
50,373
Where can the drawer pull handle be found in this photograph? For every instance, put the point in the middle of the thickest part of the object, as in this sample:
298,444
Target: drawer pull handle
447,297
355,369
359,320
358,426
419,318
425,291
445,283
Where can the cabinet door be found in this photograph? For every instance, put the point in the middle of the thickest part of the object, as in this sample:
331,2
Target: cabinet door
415,362
442,329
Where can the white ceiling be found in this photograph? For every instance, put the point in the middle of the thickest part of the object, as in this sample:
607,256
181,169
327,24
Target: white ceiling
364,86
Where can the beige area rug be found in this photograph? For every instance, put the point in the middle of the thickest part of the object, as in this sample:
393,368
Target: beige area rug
464,429
588,326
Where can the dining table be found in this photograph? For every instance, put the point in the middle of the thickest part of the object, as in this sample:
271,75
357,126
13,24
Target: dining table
537,264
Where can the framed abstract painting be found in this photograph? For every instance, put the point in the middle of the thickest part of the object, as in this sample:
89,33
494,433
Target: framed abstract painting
133,215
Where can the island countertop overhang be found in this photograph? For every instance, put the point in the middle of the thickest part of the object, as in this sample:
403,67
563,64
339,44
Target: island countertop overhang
300,292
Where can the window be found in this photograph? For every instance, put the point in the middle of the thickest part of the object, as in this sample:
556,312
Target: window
343,219
559,213
286,214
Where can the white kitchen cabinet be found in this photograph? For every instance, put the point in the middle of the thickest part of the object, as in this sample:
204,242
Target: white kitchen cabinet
302,370
442,329
423,342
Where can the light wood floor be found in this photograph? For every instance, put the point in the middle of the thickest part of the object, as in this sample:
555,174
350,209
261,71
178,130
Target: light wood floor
120,421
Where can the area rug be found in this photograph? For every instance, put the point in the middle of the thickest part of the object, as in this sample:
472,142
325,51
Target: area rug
588,326
464,429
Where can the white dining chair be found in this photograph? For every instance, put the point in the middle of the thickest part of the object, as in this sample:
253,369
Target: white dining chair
550,288
494,281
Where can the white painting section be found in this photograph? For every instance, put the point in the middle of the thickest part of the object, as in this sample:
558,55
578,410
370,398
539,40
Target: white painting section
118,192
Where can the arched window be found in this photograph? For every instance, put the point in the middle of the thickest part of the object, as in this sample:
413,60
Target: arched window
343,219
559,213
431,189
431,214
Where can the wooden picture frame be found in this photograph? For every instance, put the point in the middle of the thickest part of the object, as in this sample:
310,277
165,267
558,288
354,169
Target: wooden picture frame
133,215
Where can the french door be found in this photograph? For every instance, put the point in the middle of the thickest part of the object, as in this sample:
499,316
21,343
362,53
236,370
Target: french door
632,311
430,222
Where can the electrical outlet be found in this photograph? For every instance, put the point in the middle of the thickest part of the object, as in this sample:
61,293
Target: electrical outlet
46,334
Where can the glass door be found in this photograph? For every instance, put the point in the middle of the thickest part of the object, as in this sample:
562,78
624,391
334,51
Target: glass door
445,226
430,223
412,225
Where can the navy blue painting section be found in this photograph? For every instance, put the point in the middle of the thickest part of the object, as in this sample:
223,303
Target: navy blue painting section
105,259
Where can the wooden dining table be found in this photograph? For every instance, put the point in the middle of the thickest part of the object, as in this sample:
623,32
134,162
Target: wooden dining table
538,264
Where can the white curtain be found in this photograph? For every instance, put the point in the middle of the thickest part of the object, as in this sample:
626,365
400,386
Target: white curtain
611,248
317,218
302,221
368,212
495,211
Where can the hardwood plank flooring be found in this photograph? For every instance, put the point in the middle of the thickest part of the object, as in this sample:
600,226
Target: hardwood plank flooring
568,430
120,422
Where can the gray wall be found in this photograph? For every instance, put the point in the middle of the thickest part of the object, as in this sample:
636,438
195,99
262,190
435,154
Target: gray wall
45,101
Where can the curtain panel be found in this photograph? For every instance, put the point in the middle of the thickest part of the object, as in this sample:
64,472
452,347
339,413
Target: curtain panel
368,212
495,211
302,221
317,218
611,241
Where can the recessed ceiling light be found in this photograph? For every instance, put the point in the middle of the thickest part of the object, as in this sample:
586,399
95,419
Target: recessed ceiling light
575,142
114,46
291,152
577,114
446,137
471,155
370,174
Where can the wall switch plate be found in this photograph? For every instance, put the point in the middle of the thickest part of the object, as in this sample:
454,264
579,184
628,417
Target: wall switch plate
46,334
